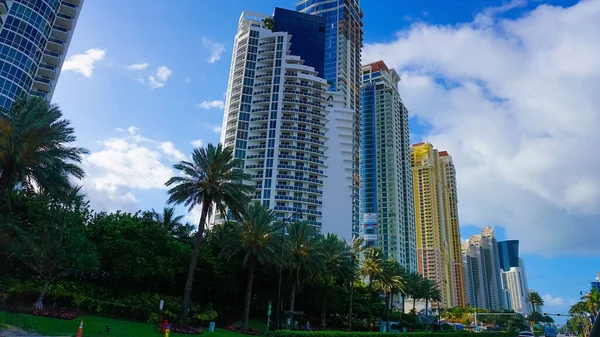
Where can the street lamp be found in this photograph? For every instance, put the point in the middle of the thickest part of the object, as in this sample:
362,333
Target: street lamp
279,306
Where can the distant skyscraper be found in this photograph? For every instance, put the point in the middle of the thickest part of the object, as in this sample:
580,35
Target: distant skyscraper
454,248
276,114
34,38
514,282
387,201
508,253
596,284
482,271
437,227
343,44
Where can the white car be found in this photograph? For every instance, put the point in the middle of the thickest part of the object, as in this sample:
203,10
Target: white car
526,334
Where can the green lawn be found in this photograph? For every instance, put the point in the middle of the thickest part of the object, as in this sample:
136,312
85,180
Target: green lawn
93,326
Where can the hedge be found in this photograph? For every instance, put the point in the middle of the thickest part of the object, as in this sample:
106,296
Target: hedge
287,333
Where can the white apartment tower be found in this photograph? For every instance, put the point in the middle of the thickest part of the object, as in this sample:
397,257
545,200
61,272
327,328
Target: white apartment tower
275,119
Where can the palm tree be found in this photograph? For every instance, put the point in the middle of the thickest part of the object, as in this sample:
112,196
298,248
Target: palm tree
252,242
337,262
534,299
355,251
168,218
426,291
34,148
213,181
304,254
388,281
372,267
413,287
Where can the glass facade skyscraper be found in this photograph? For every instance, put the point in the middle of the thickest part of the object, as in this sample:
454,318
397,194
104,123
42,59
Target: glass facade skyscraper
508,252
34,38
387,202
343,45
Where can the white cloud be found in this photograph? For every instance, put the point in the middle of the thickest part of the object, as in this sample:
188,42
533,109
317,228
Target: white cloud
216,49
207,105
84,63
213,127
515,103
157,79
138,66
197,143
169,149
126,165
552,301
163,73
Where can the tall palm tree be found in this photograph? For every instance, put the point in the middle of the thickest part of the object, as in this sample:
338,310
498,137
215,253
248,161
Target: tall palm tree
413,287
388,281
534,299
213,180
355,250
336,259
426,291
34,148
253,243
372,267
304,254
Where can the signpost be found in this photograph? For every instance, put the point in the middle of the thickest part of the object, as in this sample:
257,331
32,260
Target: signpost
268,316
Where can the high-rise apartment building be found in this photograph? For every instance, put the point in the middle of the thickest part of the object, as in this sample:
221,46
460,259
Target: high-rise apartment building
437,228
482,271
387,201
343,45
453,233
276,113
514,283
34,38
513,276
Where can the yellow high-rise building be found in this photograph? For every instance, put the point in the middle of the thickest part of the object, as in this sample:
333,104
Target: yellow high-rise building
438,234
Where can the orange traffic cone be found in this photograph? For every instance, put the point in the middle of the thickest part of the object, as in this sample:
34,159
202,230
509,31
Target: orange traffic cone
80,330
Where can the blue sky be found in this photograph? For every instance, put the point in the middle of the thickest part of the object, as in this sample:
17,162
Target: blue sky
145,81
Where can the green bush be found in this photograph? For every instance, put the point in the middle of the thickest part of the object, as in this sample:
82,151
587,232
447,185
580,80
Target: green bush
286,333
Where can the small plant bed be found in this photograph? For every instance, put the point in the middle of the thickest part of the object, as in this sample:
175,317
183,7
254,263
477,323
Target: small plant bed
187,331
68,315
245,331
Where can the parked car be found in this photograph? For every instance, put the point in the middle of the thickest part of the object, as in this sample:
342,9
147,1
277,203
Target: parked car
526,334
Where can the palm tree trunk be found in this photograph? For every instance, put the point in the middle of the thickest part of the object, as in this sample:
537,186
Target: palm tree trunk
403,298
189,282
324,314
415,304
351,304
248,296
387,310
293,295
39,304
5,178
426,305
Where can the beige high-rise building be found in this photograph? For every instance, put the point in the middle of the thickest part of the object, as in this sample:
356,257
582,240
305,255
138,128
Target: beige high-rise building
438,233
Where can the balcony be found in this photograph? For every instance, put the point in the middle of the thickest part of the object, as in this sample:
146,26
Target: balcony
3,7
68,8
38,93
46,70
64,20
60,33
42,84
56,45
51,58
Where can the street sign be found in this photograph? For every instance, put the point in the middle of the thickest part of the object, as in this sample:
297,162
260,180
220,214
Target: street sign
269,310
162,303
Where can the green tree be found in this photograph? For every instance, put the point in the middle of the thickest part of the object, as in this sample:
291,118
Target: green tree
173,223
34,148
428,291
413,287
213,180
535,300
304,254
252,241
338,265
48,236
355,250
388,281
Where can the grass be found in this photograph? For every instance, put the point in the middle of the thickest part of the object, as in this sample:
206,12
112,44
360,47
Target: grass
93,326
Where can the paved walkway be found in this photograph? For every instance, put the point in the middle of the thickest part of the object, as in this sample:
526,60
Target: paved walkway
14,332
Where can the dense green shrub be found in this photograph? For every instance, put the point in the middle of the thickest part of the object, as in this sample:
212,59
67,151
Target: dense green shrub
285,333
